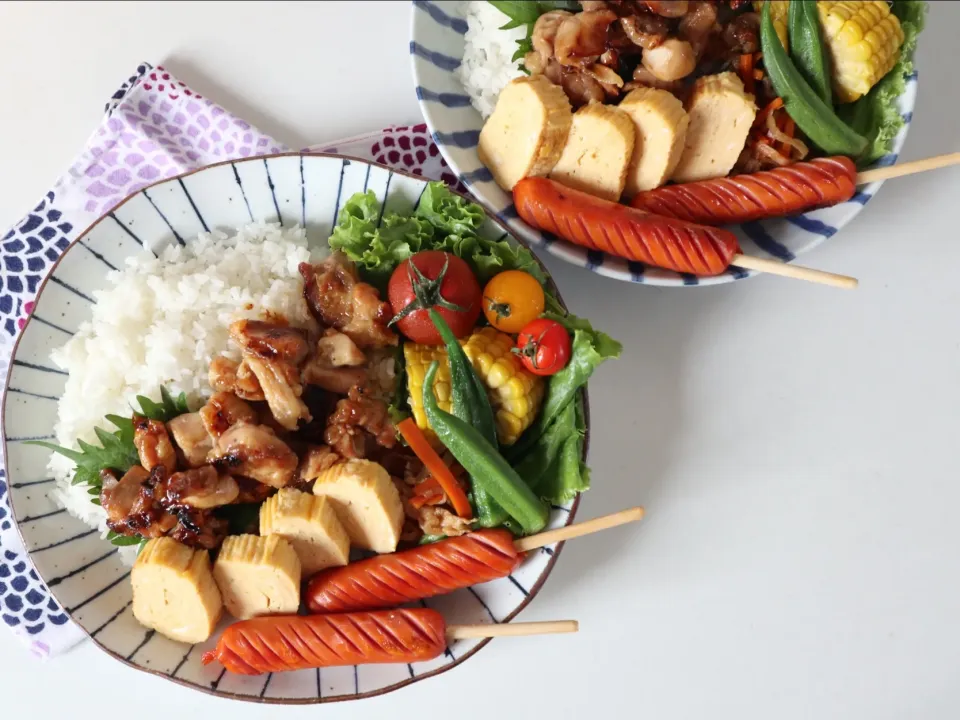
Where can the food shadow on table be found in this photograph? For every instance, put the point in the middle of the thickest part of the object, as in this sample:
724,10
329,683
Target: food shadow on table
637,406
201,81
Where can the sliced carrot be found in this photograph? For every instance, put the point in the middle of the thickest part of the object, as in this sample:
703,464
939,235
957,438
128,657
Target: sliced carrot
771,107
435,466
746,71
789,127
429,486
418,501
758,74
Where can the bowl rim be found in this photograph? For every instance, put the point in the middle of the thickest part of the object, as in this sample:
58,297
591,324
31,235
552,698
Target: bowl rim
563,249
212,690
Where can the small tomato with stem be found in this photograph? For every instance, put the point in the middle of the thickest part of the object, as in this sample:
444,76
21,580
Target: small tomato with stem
544,347
436,280
511,300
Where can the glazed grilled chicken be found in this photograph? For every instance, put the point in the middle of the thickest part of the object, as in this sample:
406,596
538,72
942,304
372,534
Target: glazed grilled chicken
314,461
271,341
199,528
356,418
130,505
337,363
582,38
273,352
282,389
224,410
135,505
191,438
202,488
226,375
337,350
153,444
338,299
256,452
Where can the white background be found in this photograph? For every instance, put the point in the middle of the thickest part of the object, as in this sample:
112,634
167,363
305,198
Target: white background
795,446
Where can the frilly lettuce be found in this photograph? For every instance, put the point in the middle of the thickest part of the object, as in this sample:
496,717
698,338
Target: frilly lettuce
876,116
442,221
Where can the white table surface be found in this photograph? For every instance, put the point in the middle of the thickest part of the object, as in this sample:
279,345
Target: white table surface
794,445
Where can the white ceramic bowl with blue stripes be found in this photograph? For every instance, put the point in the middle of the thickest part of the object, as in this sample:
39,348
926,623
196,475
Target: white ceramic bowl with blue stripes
436,49
83,571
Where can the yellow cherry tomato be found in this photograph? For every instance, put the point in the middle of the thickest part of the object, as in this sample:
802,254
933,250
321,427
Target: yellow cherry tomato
511,300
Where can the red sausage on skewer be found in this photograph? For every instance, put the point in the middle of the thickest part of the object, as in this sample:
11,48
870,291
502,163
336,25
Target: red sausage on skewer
298,642
742,198
623,231
388,580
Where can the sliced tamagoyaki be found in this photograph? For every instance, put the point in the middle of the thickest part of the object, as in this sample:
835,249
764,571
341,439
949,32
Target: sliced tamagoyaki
526,132
660,123
721,114
598,151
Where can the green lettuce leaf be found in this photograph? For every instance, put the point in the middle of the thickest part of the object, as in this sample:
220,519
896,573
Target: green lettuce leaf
377,245
490,257
442,221
555,424
876,116
448,212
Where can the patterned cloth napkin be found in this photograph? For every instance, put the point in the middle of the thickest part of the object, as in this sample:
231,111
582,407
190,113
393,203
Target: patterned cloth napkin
154,127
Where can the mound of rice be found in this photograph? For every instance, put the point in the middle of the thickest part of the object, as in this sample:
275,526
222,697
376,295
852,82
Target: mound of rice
161,321
486,67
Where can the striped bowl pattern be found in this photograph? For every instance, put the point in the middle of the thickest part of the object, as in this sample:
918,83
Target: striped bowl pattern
83,571
436,49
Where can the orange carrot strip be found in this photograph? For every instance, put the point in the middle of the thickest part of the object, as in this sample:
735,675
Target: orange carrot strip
746,72
429,486
771,107
789,127
758,74
428,456
418,501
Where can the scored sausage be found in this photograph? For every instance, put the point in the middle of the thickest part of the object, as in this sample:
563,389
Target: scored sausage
421,572
298,642
629,233
742,198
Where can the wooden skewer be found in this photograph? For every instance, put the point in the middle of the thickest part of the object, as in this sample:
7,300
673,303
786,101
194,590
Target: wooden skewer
908,168
553,627
578,529
868,176
798,272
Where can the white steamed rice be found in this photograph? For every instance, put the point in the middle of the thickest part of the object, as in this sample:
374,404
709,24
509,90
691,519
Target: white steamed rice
161,321
487,68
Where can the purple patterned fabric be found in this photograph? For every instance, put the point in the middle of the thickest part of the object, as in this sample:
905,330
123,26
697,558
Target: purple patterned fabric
158,129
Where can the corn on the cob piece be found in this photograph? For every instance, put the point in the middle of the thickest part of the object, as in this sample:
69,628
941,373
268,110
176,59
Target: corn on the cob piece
863,39
778,13
515,393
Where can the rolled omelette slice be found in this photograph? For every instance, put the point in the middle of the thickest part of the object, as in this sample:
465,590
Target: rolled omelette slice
174,591
526,132
661,124
721,115
598,152
258,576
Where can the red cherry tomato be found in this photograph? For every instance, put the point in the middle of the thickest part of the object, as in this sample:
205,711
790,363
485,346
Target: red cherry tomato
544,347
434,280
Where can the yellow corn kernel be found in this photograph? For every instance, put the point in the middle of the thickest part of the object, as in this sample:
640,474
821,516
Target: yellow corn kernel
778,13
863,39
515,393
